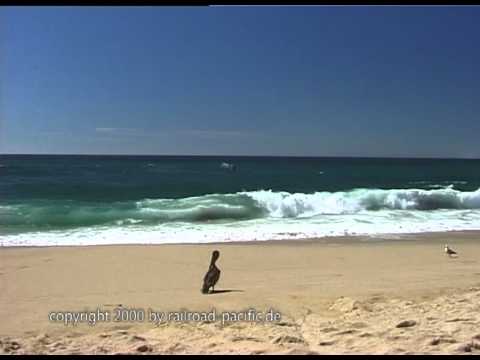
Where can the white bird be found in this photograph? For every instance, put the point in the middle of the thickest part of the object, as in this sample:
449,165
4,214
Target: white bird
228,166
449,251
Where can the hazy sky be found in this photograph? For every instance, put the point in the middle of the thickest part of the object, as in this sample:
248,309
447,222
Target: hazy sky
314,81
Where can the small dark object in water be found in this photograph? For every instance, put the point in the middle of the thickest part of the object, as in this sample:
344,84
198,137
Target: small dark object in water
212,275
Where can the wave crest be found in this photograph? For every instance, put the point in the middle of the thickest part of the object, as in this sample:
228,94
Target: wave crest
233,207
284,204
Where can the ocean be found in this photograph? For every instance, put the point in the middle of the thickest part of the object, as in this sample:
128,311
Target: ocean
50,200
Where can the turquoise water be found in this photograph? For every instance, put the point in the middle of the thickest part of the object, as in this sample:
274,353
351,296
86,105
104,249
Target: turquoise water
55,200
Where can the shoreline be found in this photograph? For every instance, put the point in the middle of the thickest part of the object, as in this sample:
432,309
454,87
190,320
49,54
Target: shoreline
362,289
381,237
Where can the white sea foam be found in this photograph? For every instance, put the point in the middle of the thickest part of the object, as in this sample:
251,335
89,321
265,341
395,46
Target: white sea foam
258,215
364,223
284,204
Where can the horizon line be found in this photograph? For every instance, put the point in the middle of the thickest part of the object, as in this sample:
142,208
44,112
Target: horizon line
269,156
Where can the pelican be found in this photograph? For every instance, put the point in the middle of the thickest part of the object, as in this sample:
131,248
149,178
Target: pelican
449,251
212,275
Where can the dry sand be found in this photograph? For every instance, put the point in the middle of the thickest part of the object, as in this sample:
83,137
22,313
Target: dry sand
337,295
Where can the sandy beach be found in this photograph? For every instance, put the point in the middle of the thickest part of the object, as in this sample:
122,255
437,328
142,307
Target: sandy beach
389,294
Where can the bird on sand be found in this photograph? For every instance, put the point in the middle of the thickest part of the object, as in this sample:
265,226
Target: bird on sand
449,251
212,275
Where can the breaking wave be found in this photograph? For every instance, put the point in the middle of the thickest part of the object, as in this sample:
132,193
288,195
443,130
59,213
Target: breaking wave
262,204
284,204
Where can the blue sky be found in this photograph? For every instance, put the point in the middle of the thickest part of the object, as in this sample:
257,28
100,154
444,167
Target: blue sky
301,81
